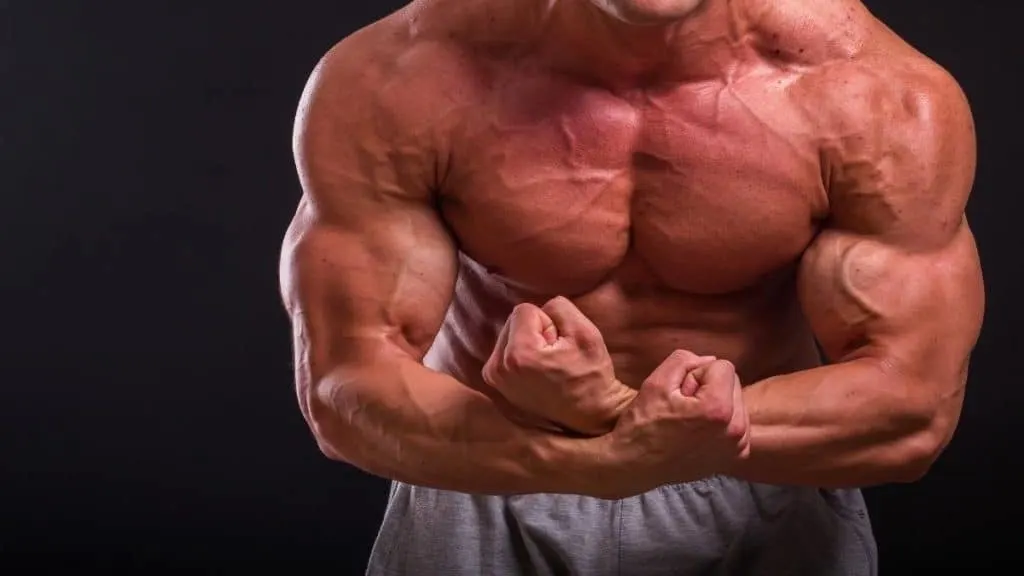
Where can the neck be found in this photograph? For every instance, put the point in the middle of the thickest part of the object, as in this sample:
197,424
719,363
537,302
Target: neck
588,41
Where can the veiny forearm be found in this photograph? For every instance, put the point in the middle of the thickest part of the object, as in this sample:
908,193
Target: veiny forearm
845,425
402,421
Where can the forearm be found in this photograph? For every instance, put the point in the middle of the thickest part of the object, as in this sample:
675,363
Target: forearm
402,421
844,425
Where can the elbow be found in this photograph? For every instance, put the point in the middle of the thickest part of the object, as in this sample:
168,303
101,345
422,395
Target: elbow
918,451
924,422
327,446
915,457
328,429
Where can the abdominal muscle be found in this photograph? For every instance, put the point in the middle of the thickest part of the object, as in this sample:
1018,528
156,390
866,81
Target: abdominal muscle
760,330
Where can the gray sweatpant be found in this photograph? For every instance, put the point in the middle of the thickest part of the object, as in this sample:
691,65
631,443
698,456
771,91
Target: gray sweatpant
718,526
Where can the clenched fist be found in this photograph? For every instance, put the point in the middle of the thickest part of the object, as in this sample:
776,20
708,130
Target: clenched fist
688,422
551,362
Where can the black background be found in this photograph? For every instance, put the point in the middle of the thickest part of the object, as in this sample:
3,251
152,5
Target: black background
147,408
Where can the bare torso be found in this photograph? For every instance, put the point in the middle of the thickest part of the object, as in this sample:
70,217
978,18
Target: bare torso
672,213
767,173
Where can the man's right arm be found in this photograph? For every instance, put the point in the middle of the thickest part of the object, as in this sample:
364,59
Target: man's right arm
367,273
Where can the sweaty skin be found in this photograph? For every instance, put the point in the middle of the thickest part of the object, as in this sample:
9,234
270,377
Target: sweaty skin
739,183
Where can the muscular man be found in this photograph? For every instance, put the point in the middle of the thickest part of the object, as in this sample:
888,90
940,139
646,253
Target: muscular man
542,243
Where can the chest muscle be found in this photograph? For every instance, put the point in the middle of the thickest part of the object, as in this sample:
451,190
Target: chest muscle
554,186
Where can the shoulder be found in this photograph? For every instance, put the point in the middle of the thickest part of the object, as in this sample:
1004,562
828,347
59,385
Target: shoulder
388,70
898,146
383,96
858,71
894,129
899,111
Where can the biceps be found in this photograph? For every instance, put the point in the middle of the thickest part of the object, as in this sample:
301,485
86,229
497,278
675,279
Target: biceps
382,280
921,311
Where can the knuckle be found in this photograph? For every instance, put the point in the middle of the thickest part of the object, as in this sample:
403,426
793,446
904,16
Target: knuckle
724,367
523,308
744,443
744,453
519,358
559,301
515,344
588,337
736,431
681,356
521,343
651,384
492,374
717,413
488,373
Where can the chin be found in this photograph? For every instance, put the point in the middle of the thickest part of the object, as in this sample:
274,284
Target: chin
649,11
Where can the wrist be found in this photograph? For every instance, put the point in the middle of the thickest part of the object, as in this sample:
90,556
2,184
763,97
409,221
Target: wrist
583,466
602,469
616,401
599,412
624,396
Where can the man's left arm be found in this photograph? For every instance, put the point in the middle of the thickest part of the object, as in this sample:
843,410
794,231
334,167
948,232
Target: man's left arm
892,289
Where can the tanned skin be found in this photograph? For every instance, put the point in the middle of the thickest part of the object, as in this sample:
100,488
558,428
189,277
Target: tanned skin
540,246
